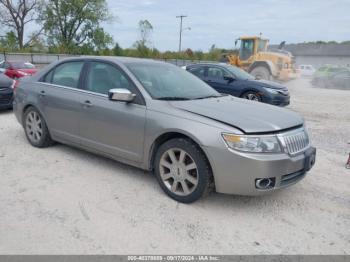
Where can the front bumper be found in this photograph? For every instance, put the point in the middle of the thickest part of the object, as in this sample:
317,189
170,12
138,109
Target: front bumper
236,172
6,98
277,100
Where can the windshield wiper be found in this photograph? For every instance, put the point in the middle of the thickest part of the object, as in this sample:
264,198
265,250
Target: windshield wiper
211,96
173,98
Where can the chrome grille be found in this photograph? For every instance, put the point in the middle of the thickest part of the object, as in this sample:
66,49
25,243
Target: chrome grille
296,142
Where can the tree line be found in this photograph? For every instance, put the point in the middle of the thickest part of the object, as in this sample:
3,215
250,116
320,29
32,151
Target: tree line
74,27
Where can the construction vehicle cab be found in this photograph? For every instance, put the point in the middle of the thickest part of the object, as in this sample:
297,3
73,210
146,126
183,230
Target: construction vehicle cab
253,57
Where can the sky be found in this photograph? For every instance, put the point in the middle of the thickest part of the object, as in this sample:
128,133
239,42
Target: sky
220,22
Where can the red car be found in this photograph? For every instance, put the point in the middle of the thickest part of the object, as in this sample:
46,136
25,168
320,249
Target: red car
16,70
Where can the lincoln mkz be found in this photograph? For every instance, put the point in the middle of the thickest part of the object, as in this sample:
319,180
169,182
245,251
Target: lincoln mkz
158,117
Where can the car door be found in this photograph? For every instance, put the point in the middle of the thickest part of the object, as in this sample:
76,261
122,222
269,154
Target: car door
216,79
112,127
59,99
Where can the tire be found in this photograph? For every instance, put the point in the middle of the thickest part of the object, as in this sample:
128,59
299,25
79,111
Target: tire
261,72
252,95
188,176
36,129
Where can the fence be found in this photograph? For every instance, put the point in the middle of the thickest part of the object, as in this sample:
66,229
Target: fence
44,59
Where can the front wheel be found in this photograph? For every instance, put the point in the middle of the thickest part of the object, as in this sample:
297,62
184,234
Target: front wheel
182,170
251,95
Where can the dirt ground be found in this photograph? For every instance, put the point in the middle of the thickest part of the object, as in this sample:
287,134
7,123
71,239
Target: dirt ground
62,200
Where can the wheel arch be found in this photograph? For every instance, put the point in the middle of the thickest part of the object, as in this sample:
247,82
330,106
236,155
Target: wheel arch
25,108
164,137
249,89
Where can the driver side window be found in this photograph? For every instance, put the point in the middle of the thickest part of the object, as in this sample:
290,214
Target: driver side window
217,73
102,77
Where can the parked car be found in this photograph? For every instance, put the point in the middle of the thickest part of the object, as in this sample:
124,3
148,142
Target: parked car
339,80
158,117
16,70
324,73
231,80
6,91
306,70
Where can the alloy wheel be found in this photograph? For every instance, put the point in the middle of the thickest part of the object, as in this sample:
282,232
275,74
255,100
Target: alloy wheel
178,172
252,96
34,126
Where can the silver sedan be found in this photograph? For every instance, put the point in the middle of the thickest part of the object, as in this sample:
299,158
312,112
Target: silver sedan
158,117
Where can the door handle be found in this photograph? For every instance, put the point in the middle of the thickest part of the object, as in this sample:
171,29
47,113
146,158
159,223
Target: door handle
87,104
42,93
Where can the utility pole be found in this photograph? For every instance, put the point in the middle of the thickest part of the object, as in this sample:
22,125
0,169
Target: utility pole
181,17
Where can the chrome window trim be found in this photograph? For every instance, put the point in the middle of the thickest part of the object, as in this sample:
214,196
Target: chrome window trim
73,89
87,92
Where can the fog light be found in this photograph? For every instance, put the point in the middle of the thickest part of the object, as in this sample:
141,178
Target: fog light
265,183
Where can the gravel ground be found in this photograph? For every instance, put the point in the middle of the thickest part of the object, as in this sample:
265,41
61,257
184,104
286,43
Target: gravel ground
62,200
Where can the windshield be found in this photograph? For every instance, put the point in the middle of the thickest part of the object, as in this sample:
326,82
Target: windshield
239,73
168,82
20,65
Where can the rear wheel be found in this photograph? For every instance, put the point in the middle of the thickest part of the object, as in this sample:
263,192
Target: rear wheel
261,72
36,129
182,170
252,95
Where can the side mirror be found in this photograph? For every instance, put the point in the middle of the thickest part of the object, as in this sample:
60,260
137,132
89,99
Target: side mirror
230,79
121,94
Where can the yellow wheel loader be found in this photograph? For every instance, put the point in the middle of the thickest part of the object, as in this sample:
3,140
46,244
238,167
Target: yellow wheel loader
253,57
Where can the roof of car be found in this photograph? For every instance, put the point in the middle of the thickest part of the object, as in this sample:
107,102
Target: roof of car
126,60
208,63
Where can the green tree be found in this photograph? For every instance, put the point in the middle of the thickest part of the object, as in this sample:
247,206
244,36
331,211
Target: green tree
146,30
9,41
74,23
117,50
17,15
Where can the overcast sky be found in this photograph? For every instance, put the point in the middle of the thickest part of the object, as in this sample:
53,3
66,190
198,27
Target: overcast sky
221,21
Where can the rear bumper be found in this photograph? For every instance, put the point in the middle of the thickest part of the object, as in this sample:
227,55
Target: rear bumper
237,173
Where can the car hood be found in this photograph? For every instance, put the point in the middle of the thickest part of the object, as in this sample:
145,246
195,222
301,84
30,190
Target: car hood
248,116
268,84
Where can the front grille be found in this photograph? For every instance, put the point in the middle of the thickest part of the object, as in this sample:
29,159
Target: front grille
291,178
5,98
296,142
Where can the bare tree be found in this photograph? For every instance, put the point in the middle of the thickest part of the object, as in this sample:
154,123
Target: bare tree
17,14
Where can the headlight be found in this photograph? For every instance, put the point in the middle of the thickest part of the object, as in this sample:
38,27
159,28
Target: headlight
272,91
254,144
